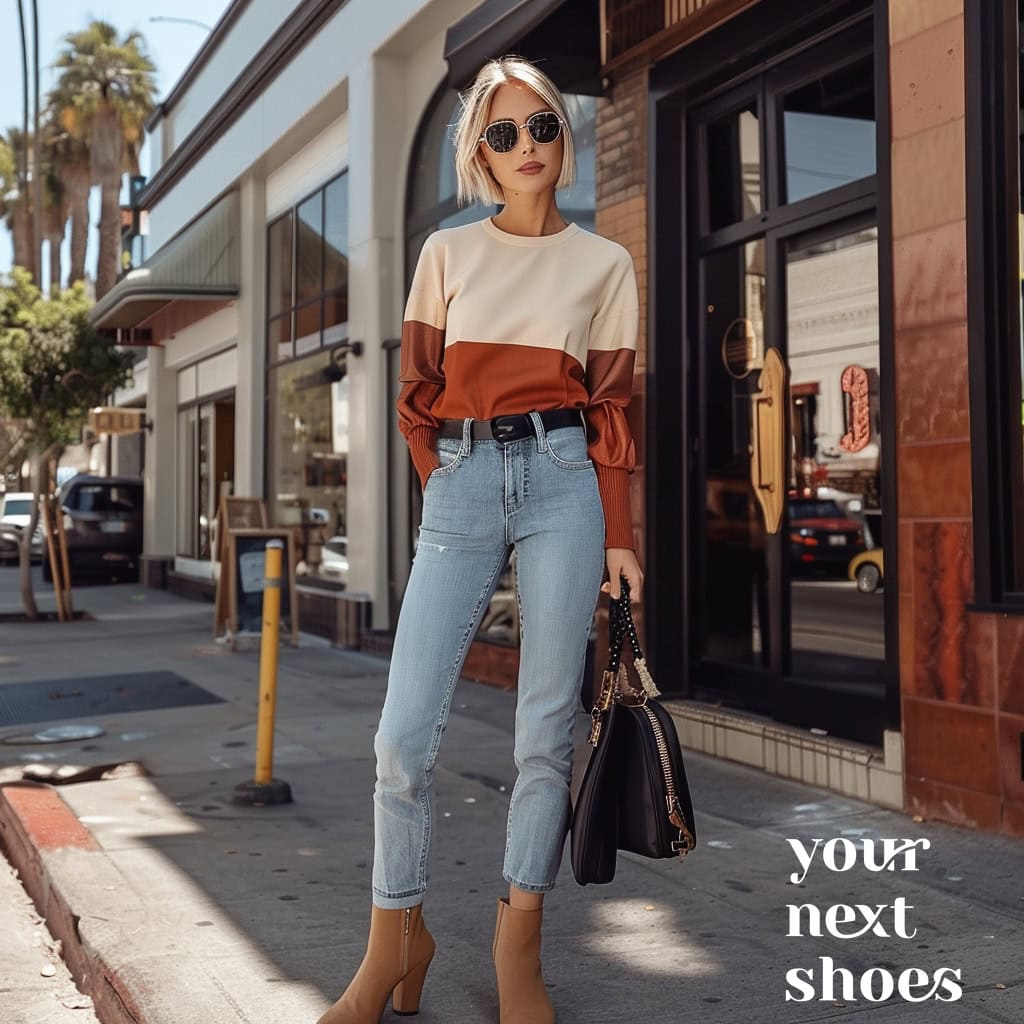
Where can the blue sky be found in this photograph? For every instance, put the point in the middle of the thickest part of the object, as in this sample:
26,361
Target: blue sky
171,46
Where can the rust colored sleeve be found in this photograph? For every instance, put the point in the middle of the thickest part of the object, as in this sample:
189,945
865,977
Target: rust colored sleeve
422,358
611,357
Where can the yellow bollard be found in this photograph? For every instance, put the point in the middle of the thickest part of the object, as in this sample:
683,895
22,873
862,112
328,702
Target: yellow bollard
268,663
264,789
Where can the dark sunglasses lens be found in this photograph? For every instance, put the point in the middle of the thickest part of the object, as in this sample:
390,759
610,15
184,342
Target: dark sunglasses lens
501,136
544,127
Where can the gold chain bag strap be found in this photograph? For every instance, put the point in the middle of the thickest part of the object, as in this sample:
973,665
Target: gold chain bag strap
634,795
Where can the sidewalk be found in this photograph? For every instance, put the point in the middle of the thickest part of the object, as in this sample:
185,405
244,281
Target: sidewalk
178,907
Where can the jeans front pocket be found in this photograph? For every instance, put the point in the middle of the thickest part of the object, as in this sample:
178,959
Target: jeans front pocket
567,448
449,452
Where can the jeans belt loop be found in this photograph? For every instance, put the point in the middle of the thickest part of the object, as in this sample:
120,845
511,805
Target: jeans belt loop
538,429
467,436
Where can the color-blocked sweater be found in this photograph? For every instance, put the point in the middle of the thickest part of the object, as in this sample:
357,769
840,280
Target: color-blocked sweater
497,323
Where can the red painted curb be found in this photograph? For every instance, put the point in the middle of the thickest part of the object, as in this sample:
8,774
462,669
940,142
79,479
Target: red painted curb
34,822
46,820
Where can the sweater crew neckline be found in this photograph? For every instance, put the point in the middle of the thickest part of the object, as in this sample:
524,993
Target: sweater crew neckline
532,240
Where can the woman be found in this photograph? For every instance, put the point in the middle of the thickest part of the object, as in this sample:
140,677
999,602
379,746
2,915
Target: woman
518,347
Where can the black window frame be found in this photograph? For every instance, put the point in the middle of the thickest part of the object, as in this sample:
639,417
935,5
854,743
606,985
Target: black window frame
291,313
993,295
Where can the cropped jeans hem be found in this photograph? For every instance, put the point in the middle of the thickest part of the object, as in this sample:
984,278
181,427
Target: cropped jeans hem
409,899
527,886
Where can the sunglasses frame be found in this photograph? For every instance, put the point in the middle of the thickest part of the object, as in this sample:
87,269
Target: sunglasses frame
519,128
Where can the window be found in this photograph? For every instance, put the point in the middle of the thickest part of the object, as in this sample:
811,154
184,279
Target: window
995,272
307,460
307,274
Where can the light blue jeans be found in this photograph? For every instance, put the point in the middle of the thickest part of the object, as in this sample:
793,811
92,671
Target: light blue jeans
539,495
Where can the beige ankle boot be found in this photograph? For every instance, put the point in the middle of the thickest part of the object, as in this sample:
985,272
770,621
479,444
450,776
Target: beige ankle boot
522,998
398,953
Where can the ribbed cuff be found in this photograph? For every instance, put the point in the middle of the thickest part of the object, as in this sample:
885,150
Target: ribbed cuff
613,486
422,443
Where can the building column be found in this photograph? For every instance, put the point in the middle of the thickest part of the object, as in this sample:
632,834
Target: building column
250,391
376,177
161,471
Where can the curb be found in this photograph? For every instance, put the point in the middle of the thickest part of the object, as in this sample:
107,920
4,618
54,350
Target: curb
37,830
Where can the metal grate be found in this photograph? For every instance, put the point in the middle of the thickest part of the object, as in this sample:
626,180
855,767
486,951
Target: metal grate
49,700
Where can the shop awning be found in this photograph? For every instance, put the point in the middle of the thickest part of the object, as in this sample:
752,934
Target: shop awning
562,36
201,263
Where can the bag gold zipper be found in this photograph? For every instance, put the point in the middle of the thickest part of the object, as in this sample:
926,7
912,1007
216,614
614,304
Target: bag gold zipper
685,842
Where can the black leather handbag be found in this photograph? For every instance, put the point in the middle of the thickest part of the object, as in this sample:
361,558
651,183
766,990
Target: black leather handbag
634,795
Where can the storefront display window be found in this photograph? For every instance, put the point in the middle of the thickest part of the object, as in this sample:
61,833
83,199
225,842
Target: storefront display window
307,469
307,379
307,274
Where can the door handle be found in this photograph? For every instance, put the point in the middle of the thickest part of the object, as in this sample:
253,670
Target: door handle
768,447
760,483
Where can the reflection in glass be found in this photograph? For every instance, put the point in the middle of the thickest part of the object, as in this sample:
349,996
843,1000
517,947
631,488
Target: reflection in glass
307,434
735,573
279,244
432,170
835,501
829,131
734,167
309,249
279,338
336,234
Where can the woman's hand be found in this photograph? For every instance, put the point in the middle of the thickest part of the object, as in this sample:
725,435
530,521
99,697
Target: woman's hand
623,560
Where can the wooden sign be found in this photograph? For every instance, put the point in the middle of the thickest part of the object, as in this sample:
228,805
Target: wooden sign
242,577
233,513
108,419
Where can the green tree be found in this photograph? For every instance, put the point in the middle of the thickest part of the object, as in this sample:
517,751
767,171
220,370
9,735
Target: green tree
104,94
54,367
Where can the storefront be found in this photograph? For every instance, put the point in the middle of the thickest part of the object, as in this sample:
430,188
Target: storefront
307,382
774,457
831,373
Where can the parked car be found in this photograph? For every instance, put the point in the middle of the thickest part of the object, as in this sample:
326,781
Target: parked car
14,517
102,525
821,537
867,569
334,559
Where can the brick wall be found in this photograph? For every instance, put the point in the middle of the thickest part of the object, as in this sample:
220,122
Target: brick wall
961,743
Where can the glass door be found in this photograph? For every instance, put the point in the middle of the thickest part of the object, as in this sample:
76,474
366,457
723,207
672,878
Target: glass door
787,599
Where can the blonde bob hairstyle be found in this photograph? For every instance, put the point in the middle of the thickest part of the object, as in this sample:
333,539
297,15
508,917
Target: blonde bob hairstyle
475,180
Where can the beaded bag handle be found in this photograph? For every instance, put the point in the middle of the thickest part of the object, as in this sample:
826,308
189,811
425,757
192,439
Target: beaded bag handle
614,681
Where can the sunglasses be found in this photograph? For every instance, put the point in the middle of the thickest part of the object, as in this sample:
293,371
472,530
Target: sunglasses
544,127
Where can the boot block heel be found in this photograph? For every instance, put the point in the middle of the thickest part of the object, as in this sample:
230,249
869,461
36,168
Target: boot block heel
405,1000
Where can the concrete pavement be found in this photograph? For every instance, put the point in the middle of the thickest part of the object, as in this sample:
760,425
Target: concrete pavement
177,906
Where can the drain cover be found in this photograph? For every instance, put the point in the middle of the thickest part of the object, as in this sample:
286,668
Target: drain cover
47,700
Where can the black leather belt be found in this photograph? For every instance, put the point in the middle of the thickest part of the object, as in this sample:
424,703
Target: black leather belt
514,426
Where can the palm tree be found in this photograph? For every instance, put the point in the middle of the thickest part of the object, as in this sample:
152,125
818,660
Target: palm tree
55,145
104,94
73,168
15,205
